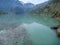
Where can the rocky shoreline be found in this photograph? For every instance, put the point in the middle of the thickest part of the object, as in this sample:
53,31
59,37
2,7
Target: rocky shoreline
57,29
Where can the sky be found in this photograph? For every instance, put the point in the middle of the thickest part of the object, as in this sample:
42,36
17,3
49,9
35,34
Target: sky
33,1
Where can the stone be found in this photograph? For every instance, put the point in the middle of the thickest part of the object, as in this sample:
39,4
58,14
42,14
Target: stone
58,32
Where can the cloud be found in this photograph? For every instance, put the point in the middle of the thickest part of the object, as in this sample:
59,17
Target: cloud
33,1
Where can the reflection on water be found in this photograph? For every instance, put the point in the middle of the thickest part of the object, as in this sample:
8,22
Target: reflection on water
42,35
29,34
28,18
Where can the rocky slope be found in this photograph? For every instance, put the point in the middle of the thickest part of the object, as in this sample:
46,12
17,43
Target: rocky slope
48,8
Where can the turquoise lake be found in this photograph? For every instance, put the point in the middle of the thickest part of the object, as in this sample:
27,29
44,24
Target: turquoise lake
38,27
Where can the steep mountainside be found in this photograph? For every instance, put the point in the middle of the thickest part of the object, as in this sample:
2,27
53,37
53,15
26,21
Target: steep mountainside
14,6
48,8
28,6
11,6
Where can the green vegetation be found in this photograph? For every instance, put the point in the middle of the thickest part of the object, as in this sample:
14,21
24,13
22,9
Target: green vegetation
55,1
52,8
58,33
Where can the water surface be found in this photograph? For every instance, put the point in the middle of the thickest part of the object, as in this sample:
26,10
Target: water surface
38,27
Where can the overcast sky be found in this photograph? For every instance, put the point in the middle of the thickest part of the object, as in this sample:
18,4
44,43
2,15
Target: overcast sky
34,1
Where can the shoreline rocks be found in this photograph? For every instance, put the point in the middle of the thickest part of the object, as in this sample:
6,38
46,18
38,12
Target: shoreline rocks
58,32
57,29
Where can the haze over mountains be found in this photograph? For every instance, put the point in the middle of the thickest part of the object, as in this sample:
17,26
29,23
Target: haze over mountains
18,7
15,6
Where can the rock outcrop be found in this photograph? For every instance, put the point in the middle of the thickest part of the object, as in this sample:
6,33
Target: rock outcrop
58,31
57,28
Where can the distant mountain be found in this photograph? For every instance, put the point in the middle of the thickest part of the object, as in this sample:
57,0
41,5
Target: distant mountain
6,4
38,8
11,6
14,6
18,7
28,6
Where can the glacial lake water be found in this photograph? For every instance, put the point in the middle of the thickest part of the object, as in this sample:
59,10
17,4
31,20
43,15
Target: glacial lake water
38,27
